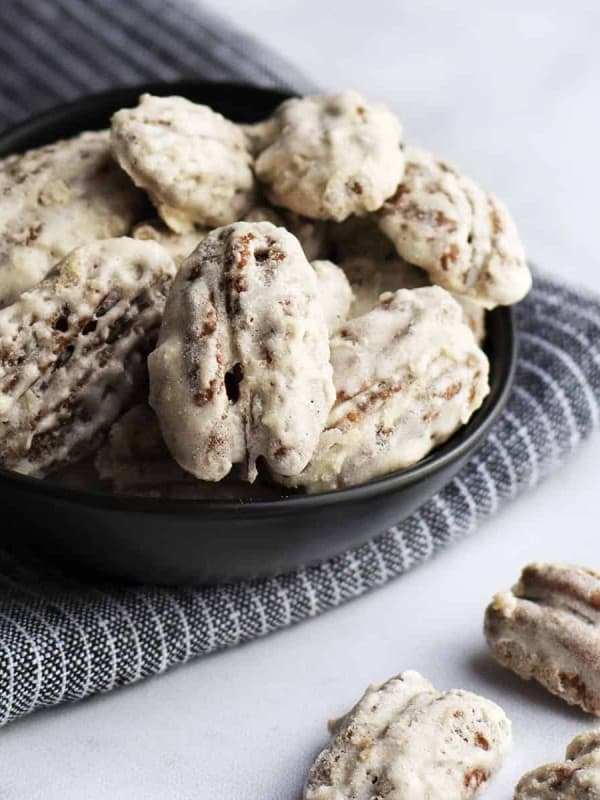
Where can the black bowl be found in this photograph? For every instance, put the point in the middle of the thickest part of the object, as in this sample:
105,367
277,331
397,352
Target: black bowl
185,541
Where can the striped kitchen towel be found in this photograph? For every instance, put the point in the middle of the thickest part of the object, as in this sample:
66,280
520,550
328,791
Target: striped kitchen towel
63,641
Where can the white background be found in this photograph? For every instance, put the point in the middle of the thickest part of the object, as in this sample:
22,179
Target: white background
509,91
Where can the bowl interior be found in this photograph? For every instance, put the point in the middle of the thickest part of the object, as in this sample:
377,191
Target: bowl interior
250,104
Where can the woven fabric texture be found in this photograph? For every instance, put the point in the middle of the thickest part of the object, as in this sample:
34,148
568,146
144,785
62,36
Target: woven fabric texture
61,641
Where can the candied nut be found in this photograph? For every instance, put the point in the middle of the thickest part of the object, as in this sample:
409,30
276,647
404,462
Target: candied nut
56,198
407,375
329,157
405,739
178,245
576,778
73,351
461,235
194,163
548,628
335,293
242,367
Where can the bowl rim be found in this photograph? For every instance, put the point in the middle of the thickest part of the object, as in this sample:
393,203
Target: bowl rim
458,445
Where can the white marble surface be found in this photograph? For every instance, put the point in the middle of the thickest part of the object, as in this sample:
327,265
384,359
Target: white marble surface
512,95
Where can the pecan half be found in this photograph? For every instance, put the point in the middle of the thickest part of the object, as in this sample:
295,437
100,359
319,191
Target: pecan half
194,163
407,375
406,739
328,157
548,628
242,367
460,234
576,778
56,198
73,351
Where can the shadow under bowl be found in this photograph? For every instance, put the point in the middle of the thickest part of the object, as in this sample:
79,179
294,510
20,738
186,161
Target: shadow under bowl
208,541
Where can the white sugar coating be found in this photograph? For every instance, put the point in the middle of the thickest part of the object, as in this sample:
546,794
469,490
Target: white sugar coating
407,375
194,163
405,740
575,778
548,629
178,245
461,235
242,367
330,156
73,350
335,293
55,198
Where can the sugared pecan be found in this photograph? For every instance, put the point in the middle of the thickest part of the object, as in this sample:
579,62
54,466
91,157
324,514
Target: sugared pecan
242,367
461,235
406,739
56,198
82,336
407,375
329,157
192,161
548,628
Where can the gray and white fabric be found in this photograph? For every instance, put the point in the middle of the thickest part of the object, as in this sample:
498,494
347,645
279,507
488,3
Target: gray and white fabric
56,51
62,641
